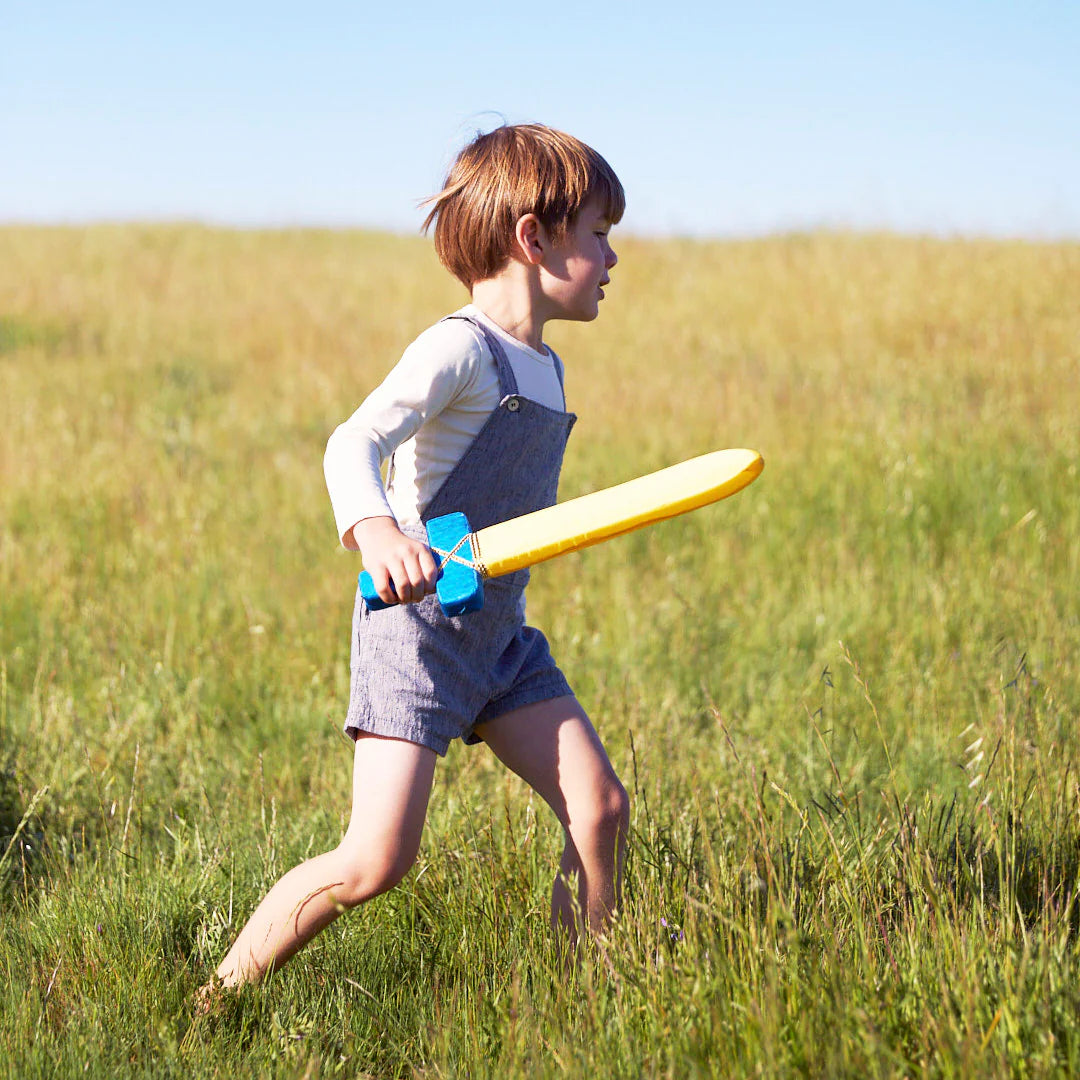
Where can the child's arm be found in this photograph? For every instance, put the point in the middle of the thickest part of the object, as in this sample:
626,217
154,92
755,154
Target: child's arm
402,568
436,372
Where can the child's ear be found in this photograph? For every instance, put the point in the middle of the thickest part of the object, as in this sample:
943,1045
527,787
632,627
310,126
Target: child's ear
530,239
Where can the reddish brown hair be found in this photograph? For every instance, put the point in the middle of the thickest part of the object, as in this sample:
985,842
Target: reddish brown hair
505,174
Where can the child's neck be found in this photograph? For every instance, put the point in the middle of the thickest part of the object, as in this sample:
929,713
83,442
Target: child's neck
507,301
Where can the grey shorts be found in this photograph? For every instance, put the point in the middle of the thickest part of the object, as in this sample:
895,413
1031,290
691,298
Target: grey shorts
420,676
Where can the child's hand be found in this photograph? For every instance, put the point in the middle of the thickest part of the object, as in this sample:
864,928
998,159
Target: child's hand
403,569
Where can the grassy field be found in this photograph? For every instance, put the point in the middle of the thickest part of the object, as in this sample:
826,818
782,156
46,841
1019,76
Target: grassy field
845,702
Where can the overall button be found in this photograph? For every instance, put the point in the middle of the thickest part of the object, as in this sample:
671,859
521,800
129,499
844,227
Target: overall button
513,404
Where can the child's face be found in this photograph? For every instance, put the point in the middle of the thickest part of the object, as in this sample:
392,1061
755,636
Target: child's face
576,270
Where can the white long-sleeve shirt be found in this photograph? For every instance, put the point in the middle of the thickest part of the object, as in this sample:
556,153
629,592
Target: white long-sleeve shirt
426,412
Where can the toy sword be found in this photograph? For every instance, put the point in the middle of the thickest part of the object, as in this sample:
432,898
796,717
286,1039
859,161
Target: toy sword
466,558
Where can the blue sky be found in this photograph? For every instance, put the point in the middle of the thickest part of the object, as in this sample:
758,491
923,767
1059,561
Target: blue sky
720,119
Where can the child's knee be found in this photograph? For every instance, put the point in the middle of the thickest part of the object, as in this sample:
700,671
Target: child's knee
369,872
607,813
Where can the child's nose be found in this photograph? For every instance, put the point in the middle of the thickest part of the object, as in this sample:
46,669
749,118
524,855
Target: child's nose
612,258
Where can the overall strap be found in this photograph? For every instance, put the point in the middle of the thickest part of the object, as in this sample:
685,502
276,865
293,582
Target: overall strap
507,381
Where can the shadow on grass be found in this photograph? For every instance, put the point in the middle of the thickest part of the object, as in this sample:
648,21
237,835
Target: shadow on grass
22,831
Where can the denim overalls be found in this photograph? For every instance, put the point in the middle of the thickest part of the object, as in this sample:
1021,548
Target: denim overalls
421,676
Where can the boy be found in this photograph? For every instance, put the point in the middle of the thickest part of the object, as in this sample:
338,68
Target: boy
473,419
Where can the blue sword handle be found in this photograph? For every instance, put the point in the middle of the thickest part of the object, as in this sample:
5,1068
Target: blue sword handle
367,590
460,588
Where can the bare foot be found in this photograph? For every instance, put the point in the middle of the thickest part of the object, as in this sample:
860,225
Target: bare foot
209,1001
209,998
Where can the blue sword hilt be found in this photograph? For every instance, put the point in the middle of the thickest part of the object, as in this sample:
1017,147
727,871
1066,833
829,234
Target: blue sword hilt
460,588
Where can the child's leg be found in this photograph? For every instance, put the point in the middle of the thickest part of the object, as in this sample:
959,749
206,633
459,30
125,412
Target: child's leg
553,746
391,784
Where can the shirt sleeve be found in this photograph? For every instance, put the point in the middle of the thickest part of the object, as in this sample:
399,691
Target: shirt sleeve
436,369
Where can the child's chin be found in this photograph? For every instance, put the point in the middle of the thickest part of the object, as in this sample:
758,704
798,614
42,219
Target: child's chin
582,313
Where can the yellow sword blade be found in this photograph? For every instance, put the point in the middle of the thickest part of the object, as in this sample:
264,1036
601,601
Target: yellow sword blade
579,523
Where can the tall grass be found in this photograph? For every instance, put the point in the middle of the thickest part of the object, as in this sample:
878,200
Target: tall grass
845,702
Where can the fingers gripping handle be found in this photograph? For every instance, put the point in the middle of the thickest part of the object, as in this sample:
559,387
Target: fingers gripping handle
460,588
367,590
